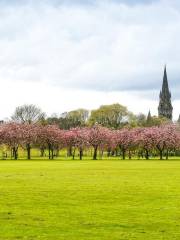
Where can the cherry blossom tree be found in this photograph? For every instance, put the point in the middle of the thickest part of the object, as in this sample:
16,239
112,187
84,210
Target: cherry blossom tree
126,140
163,138
12,137
77,138
29,136
98,138
50,136
81,141
146,140
70,139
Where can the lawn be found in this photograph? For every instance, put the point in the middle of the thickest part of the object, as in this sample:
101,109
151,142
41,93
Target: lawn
90,200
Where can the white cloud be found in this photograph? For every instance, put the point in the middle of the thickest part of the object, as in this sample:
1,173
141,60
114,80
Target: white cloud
66,55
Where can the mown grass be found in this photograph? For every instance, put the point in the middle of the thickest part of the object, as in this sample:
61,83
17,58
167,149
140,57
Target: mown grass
90,200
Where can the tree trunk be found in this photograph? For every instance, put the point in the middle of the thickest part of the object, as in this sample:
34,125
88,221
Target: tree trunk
69,153
129,154
167,154
28,147
123,154
112,153
80,153
73,155
95,153
52,153
42,151
15,153
147,154
116,152
161,154
49,150
108,152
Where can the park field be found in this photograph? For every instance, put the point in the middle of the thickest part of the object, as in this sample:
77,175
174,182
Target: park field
90,200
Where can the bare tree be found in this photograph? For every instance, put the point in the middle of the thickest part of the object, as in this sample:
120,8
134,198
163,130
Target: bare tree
28,114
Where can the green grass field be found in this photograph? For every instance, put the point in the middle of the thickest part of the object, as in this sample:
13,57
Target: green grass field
88,200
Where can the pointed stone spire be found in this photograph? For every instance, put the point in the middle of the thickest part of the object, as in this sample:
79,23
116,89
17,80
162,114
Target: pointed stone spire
165,88
165,107
149,119
149,115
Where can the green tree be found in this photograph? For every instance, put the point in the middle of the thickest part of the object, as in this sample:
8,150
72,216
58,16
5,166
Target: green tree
157,121
141,120
113,116
72,119
150,121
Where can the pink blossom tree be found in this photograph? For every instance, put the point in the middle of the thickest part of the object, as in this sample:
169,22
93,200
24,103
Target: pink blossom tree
70,140
29,136
77,138
162,138
165,137
126,140
146,140
97,138
12,137
50,136
81,140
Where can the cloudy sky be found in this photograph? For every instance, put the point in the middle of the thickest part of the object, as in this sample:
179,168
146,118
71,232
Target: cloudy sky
66,54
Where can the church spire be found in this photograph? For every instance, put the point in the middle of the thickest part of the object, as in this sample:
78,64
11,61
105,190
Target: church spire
149,119
149,116
165,87
165,107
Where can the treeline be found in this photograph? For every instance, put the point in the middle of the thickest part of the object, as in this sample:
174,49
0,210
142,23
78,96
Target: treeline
147,141
113,116
110,130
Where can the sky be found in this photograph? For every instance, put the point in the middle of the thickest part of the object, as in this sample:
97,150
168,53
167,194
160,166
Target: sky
66,54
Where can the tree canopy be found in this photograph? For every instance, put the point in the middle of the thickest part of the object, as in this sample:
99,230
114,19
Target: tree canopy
113,116
28,114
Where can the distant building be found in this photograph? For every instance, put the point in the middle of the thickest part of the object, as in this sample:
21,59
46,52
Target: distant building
165,108
149,119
